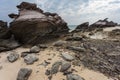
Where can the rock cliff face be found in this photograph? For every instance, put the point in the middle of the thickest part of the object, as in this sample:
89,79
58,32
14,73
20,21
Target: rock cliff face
32,25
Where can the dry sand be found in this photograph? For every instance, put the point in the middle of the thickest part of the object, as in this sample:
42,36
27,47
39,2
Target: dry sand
102,34
10,70
111,28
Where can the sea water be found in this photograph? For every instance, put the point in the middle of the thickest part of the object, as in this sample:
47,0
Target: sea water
72,27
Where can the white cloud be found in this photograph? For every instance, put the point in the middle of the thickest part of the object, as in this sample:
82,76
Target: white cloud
75,12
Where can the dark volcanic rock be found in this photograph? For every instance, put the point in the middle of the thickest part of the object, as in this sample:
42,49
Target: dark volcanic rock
24,74
33,26
67,56
65,66
4,31
35,49
13,57
55,67
30,59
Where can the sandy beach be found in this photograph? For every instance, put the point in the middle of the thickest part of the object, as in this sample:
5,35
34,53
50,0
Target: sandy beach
11,69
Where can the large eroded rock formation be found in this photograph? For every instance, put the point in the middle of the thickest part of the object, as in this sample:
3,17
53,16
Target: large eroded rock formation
32,25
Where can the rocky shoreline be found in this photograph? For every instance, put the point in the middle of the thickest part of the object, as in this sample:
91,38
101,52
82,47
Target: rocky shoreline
38,45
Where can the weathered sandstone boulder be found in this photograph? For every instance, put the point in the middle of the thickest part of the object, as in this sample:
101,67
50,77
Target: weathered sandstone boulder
32,25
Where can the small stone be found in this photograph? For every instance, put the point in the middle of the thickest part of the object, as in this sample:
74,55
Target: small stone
59,43
74,38
49,59
67,72
67,56
43,46
65,66
76,63
37,71
47,72
35,49
55,67
23,54
74,48
13,57
50,77
30,59
45,63
24,74
1,67
74,77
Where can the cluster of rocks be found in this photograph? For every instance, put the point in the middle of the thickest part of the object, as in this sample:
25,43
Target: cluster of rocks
97,25
95,54
29,58
64,67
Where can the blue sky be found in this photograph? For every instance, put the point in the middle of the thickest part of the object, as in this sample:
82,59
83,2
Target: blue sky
72,11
